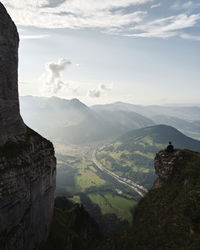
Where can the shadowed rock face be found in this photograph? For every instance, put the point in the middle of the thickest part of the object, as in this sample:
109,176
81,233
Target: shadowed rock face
11,123
27,161
168,217
165,164
27,191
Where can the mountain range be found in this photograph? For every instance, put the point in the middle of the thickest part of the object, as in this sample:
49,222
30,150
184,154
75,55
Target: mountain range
183,112
71,121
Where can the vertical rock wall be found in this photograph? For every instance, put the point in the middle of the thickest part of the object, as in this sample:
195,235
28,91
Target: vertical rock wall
11,123
27,161
27,190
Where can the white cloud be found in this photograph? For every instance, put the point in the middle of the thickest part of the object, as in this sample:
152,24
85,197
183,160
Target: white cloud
23,37
99,91
53,76
190,37
75,13
155,5
110,16
165,27
179,5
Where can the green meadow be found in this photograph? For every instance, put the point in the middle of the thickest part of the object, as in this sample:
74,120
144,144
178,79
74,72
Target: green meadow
80,180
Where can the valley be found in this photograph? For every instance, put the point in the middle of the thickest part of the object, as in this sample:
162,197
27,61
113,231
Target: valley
105,153
80,179
110,177
124,181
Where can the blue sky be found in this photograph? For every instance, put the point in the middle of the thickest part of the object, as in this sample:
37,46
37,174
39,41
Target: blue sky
102,51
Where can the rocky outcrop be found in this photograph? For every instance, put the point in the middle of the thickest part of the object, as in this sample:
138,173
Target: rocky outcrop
27,188
73,228
11,123
168,217
27,161
165,164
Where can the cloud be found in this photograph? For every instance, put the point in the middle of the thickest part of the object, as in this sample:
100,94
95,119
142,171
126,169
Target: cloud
53,76
155,5
23,37
190,37
166,27
99,91
179,5
94,93
75,14
119,17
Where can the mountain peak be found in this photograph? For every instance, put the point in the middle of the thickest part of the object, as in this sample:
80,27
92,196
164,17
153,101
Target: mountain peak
76,102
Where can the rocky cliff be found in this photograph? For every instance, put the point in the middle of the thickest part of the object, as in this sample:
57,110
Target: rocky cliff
168,217
11,123
27,161
166,164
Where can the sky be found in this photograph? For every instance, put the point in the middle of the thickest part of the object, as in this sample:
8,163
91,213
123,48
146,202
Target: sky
103,51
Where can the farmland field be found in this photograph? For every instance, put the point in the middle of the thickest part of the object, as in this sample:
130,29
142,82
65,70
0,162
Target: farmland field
80,180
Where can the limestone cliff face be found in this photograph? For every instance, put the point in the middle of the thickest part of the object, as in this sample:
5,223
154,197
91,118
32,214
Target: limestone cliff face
11,123
27,188
27,161
168,217
165,164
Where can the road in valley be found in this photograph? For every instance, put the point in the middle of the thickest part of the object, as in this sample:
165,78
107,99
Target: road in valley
137,188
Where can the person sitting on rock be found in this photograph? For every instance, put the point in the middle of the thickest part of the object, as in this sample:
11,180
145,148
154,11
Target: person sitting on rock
170,147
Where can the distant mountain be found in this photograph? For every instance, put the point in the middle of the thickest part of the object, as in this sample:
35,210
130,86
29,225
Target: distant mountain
186,113
186,119
131,155
123,121
160,135
117,106
50,116
190,128
71,121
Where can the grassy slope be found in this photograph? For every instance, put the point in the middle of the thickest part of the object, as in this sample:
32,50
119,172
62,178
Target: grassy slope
77,175
114,204
132,155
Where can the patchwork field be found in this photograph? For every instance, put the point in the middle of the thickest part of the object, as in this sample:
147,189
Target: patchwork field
134,162
80,179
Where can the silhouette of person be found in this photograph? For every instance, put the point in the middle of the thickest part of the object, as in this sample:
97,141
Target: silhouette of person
170,147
